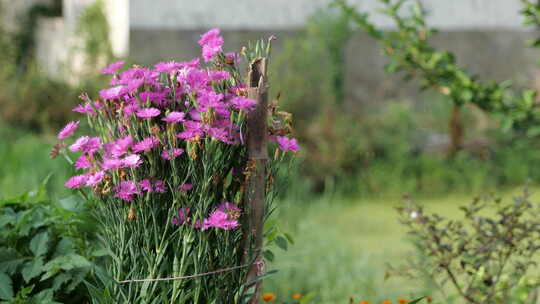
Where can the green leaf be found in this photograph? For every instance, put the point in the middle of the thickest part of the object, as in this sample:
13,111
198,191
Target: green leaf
39,244
99,252
268,255
262,276
6,287
417,300
77,278
65,262
7,217
10,260
72,203
289,238
32,269
533,131
64,247
281,242
59,280
45,296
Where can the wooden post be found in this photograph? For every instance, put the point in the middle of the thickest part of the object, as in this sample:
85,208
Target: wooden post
258,157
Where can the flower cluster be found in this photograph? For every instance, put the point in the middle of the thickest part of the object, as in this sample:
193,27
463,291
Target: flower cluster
161,117
225,217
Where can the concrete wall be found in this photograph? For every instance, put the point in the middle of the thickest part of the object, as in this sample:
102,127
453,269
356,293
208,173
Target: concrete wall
291,14
487,36
496,55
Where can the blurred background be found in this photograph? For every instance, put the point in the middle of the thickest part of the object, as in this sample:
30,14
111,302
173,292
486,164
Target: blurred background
368,137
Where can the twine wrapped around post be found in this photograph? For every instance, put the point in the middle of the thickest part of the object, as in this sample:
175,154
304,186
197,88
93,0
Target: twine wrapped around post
255,198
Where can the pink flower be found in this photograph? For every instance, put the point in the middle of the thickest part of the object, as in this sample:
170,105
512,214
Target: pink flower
134,84
230,209
208,99
195,79
182,217
167,66
174,117
131,108
86,144
159,186
84,109
194,63
148,113
193,130
146,185
286,144
153,185
209,36
113,93
219,134
219,75
126,189
171,154
221,220
211,43
120,146
185,187
242,103
112,68
233,57
131,161
76,181
111,163
146,144
94,179
68,130
83,162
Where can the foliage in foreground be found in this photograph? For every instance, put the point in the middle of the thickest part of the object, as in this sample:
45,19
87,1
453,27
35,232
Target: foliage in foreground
46,249
488,256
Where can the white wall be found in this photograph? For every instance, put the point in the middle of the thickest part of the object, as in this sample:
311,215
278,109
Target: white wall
117,12
291,14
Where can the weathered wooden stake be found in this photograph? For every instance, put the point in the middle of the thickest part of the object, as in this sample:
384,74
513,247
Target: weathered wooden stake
258,157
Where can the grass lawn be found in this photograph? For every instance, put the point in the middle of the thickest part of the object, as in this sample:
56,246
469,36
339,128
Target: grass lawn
342,246
25,163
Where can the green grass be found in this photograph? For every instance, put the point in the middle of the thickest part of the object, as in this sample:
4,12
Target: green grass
342,247
25,164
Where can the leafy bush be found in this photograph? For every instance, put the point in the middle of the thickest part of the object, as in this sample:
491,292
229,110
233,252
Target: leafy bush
487,256
45,249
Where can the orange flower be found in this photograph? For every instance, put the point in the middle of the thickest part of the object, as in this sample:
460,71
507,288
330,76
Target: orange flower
363,302
386,302
297,296
429,299
402,300
268,297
